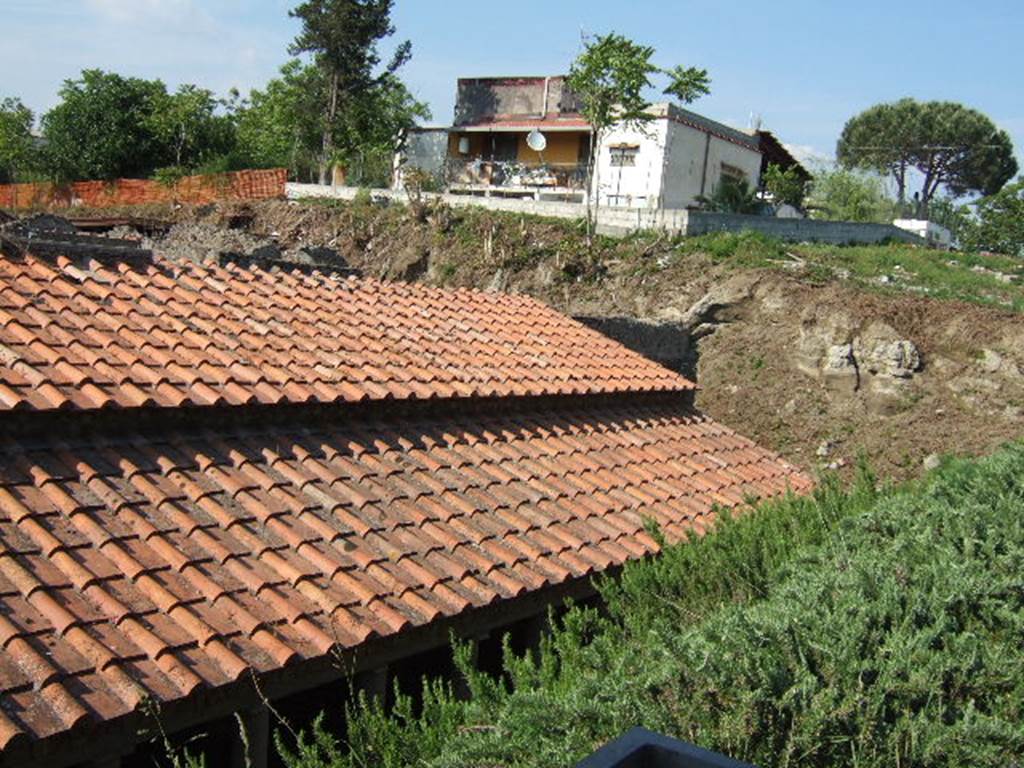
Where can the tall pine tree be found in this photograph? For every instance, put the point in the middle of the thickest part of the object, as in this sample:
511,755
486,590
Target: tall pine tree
342,37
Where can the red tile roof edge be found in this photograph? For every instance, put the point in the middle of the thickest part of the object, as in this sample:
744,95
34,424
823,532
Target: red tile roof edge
92,337
318,519
44,424
207,704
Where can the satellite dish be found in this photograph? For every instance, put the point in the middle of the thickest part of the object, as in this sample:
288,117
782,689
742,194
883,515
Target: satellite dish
536,141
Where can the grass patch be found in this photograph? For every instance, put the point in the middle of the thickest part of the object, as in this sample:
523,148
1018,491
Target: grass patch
943,275
894,268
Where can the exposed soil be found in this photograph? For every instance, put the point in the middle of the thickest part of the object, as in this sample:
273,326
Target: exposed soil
819,369
966,397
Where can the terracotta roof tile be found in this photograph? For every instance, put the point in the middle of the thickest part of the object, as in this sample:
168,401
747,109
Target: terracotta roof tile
151,563
178,334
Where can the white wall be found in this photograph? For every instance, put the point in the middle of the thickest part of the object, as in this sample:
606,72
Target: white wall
685,164
746,159
935,234
670,164
636,186
621,221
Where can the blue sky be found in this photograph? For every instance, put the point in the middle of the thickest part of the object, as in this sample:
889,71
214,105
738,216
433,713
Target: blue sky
804,66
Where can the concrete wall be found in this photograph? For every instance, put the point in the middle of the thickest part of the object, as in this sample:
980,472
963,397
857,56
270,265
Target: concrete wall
620,221
425,149
485,97
798,230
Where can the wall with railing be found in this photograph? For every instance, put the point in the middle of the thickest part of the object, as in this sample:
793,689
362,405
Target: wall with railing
511,173
621,221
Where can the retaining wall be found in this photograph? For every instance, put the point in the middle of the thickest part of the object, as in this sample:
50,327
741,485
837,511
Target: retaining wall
612,221
799,230
623,221
195,190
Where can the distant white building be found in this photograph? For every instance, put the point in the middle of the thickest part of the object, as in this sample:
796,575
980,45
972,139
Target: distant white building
934,234
670,161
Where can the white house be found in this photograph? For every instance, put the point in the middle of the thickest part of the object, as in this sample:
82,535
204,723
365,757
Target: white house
667,162
672,160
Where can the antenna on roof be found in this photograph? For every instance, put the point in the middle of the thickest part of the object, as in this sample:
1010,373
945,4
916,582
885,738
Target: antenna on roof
756,121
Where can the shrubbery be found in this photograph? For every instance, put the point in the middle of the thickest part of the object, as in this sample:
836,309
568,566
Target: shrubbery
860,627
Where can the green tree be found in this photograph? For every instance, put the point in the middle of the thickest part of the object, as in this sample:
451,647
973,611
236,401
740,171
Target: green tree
999,222
281,124
786,187
342,36
948,144
956,217
17,145
845,195
188,127
373,128
103,128
610,78
732,196
282,127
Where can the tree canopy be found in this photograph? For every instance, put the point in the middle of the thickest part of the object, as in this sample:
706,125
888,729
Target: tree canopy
998,224
786,187
188,127
17,145
845,195
339,105
610,79
108,126
948,144
612,74
281,126
342,37
102,128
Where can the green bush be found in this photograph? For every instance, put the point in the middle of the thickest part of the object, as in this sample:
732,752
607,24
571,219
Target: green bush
862,627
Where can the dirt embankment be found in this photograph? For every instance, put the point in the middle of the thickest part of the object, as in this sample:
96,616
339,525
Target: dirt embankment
827,373
819,369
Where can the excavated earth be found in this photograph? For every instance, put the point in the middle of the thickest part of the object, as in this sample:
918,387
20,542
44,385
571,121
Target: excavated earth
823,371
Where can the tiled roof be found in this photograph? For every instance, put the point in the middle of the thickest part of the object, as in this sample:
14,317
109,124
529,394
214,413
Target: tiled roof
554,121
174,334
149,553
151,565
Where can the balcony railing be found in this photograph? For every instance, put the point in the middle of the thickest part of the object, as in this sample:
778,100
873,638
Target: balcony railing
512,174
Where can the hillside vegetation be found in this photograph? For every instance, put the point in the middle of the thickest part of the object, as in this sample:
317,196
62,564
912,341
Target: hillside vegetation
862,627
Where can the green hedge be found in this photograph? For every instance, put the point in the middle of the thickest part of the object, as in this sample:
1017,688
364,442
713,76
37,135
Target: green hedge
854,628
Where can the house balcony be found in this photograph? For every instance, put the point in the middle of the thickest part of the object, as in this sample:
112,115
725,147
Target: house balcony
513,178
